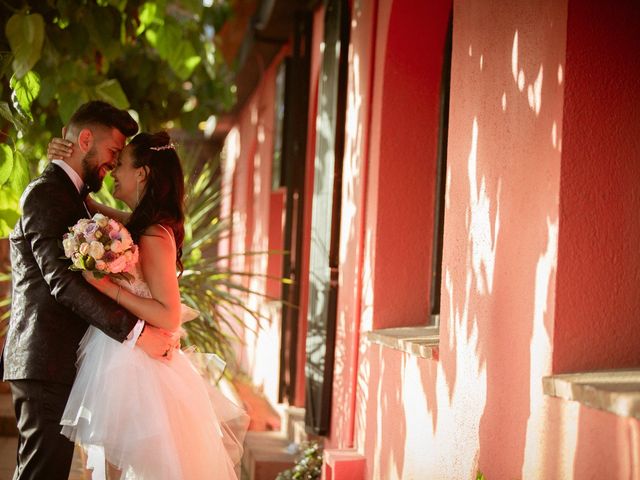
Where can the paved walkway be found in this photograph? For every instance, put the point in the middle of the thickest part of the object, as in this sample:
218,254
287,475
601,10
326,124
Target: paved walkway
9,442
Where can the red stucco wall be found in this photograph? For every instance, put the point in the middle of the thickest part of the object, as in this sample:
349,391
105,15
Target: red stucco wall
481,406
599,260
257,227
542,171
409,51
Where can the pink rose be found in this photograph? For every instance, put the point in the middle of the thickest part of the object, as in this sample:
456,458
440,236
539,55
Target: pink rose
118,265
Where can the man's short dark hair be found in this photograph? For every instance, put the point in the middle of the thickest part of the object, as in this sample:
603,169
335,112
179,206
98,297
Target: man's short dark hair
98,112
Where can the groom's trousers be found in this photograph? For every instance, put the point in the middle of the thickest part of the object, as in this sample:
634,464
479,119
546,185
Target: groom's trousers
43,452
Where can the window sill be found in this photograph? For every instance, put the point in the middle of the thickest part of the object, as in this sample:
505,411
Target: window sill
418,341
615,391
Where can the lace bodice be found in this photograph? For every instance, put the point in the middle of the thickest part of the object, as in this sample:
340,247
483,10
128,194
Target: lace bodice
137,286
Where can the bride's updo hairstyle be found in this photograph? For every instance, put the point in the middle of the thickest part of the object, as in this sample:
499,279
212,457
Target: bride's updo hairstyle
162,201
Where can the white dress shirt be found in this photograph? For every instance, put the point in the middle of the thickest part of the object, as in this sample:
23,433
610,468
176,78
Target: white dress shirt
132,338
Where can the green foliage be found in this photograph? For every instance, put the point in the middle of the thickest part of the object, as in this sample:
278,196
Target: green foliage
156,57
480,476
25,34
307,467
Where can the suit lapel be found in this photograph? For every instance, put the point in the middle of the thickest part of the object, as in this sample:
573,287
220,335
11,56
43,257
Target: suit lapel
56,174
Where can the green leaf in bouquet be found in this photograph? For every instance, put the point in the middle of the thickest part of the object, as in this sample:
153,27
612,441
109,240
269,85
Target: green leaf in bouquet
126,276
90,263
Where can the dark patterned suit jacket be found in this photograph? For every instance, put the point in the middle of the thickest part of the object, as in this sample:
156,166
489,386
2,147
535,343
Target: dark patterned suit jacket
52,306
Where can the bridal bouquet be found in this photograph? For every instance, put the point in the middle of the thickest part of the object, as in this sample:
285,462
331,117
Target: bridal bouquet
102,246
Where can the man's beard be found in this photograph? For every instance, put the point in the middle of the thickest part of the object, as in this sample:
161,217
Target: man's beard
91,174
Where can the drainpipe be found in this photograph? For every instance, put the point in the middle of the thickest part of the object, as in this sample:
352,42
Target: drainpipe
257,23
263,15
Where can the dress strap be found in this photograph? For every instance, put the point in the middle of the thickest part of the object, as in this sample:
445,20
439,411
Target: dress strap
165,229
170,232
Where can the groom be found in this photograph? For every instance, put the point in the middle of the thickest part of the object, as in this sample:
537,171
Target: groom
53,306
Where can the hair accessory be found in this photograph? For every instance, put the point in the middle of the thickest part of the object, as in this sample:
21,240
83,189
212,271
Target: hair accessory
168,146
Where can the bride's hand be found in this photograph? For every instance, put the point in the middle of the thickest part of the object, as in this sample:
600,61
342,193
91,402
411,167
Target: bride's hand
59,148
102,284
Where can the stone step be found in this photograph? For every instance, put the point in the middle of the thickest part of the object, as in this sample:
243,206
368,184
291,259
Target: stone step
292,423
263,416
266,455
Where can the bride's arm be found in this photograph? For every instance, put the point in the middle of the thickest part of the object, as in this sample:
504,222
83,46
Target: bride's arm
97,207
157,257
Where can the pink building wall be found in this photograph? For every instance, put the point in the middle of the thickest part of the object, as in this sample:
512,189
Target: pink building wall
517,301
599,259
354,178
257,214
481,405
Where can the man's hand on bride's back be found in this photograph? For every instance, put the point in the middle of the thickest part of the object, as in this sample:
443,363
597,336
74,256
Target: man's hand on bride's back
59,148
158,343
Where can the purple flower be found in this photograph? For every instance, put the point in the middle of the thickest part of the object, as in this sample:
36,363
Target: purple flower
90,229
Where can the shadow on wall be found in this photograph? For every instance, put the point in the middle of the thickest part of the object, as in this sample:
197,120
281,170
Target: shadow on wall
480,405
511,220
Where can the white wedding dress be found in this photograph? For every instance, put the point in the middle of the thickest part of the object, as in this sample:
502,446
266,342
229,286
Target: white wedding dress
152,419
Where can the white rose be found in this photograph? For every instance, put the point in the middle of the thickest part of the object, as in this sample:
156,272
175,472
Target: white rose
69,244
116,246
96,250
100,219
84,248
80,226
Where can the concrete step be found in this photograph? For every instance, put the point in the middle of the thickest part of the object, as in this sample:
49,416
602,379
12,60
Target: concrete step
263,417
266,455
292,423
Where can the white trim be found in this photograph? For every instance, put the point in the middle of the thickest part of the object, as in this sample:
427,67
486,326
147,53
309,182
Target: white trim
419,341
615,391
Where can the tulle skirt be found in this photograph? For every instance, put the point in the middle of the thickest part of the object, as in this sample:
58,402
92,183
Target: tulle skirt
151,419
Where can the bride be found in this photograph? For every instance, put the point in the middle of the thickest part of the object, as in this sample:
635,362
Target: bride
160,419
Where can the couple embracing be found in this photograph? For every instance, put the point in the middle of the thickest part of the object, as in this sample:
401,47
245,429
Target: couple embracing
95,362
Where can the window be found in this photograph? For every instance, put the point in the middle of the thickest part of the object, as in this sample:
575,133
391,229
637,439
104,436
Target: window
441,173
278,123
325,223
